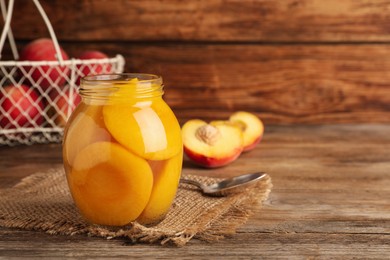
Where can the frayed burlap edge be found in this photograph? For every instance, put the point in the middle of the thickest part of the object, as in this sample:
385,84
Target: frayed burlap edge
214,224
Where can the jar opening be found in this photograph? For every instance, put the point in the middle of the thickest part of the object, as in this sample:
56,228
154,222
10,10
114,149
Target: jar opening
123,77
121,86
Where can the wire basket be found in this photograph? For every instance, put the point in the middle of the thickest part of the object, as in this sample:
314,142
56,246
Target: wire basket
47,101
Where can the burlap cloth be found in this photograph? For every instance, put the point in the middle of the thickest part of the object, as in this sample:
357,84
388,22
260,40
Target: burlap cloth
42,202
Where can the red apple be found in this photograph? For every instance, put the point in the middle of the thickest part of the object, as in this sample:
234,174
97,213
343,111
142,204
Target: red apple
43,50
63,102
252,128
94,69
211,145
23,106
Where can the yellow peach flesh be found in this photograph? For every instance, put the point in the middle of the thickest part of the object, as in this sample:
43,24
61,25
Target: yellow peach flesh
252,128
110,185
221,151
166,180
229,137
86,127
149,130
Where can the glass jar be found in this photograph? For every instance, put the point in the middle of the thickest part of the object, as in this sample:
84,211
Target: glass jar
122,150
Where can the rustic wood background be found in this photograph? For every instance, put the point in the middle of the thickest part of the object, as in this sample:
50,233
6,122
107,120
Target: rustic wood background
309,61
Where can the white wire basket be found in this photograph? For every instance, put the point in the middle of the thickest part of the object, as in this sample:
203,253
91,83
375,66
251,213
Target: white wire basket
19,125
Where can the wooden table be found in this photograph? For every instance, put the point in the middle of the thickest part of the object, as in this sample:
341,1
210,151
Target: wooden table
331,198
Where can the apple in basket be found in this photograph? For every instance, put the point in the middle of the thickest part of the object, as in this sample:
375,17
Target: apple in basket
95,69
21,106
43,50
63,102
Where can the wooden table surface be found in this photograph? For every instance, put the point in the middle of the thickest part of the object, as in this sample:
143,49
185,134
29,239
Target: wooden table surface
330,199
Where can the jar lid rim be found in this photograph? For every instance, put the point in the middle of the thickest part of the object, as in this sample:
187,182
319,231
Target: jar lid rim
122,77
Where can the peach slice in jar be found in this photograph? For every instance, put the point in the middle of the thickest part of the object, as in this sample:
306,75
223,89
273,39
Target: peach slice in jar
87,127
109,184
149,129
166,181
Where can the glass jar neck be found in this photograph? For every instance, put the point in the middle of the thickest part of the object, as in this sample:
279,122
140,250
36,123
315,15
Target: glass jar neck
121,87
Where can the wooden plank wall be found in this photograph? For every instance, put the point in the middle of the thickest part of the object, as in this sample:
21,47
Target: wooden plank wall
290,61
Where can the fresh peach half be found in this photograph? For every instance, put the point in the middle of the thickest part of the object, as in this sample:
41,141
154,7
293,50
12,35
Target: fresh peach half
252,128
211,145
